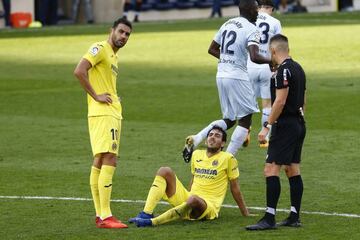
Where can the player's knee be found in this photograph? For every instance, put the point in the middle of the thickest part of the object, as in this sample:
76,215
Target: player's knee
292,171
108,159
165,172
193,201
245,122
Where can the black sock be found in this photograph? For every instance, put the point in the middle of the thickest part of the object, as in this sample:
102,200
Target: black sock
296,191
273,189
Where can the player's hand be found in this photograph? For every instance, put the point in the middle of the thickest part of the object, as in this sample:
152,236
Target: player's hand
104,98
262,135
245,212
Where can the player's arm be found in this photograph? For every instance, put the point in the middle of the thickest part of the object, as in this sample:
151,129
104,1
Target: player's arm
238,197
214,49
276,109
81,73
255,56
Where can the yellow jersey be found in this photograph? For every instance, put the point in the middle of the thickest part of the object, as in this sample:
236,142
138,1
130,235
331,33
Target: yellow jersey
211,175
102,77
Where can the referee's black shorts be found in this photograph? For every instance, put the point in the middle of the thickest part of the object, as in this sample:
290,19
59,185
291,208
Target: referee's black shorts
286,141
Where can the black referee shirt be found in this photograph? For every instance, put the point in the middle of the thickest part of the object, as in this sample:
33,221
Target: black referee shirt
290,75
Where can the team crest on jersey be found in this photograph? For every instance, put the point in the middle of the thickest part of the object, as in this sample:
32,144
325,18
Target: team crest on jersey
215,163
94,51
114,146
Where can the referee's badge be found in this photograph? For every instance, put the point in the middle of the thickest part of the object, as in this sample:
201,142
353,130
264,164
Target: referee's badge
215,163
114,146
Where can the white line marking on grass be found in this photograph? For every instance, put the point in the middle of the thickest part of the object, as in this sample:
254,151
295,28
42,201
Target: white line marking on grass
165,203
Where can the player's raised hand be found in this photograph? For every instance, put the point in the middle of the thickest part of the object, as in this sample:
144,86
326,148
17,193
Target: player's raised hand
104,98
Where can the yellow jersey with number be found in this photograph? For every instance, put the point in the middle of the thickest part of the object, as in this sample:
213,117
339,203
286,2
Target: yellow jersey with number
102,77
211,175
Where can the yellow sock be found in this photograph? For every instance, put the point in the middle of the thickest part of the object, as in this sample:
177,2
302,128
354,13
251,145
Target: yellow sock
156,192
172,214
105,187
94,177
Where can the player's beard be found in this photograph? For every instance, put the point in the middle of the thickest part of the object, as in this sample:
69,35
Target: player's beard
117,43
213,149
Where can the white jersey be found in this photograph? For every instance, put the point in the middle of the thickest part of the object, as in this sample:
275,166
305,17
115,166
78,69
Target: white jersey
268,26
234,37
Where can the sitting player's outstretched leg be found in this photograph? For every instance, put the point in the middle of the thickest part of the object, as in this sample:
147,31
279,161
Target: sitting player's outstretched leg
165,180
193,208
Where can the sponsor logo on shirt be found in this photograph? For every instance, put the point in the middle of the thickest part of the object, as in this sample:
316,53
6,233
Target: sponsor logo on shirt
206,171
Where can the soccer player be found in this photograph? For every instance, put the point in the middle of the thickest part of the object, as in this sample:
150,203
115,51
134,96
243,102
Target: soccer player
97,72
231,45
211,170
260,74
287,135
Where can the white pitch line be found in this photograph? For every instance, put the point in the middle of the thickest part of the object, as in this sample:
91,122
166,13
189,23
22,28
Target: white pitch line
165,203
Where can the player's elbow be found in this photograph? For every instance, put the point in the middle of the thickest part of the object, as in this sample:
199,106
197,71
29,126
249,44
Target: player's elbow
77,72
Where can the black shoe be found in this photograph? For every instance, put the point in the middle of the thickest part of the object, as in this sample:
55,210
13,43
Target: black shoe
288,222
263,224
187,153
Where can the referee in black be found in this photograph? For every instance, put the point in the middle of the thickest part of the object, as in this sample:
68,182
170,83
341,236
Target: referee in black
287,125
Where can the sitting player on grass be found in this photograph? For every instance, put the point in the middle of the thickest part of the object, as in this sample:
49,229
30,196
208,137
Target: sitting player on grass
211,170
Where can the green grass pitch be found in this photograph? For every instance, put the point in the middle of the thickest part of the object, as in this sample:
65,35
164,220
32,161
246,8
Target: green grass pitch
167,85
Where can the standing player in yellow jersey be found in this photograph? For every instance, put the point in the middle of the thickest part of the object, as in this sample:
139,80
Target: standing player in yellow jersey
211,170
97,72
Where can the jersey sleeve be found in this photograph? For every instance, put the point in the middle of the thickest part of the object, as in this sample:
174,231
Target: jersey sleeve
94,54
278,28
233,169
253,37
282,78
217,37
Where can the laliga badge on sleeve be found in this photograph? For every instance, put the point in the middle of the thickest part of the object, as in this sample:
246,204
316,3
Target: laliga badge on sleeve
94,51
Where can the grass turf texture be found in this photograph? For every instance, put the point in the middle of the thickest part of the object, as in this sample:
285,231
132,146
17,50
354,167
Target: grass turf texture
167,83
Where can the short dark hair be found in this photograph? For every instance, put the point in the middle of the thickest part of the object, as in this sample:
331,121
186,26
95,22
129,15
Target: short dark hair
224,134
279,38
245,7
269,3
123,21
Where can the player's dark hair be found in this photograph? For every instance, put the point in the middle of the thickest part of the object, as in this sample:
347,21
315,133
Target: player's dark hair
224,134
123,21
279,38
269,3
246,8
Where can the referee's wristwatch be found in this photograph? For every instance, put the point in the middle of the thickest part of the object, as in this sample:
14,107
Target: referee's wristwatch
267,125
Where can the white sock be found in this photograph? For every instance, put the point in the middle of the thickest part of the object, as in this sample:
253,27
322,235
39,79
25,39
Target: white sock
237,139
265,115
198,138
270,210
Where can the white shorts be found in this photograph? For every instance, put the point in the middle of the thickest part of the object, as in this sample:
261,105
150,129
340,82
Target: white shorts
260,80
237,98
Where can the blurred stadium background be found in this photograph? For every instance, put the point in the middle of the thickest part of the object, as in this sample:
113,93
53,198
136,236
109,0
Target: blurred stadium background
51,12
